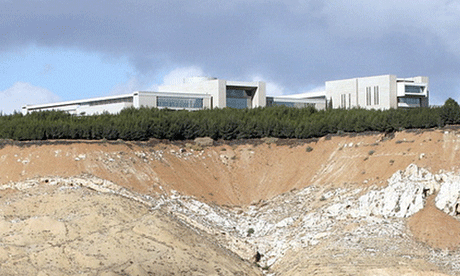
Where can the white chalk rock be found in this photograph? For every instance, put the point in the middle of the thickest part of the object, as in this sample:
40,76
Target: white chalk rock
448,197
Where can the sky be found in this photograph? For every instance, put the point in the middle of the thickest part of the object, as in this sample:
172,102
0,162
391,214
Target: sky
60,50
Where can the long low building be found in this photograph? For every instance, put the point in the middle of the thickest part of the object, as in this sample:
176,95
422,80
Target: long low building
379,92
114,104
194,94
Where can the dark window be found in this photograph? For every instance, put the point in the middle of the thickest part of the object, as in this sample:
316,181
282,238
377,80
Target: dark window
238,103
178,102
413,89
376,95
368,96
239,98
410,101
269,101
109,101
294,104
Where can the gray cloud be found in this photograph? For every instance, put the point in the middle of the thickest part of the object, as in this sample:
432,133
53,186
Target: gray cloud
296,44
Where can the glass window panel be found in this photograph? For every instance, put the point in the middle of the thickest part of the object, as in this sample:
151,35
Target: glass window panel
177,102
236,93
270,101
413,89
110,101
411,101
294,104
237,103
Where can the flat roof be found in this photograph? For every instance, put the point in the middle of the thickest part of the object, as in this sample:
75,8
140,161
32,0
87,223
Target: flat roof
250,84
78,101
305,95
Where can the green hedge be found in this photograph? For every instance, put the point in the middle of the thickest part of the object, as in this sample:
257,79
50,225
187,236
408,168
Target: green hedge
227,123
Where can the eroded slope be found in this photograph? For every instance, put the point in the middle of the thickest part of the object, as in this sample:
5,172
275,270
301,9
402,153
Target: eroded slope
307,206
236,174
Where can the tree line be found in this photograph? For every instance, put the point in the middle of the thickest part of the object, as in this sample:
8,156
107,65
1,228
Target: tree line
227,123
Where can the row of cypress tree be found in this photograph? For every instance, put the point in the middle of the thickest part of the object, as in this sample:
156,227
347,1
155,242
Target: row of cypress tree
227,123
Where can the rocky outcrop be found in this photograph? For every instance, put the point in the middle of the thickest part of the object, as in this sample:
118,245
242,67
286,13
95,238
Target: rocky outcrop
301,219
448,198
403,197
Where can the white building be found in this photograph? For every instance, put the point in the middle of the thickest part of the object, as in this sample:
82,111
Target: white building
193,94
378,92
114,104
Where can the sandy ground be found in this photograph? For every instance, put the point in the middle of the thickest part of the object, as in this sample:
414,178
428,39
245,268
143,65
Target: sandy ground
61,230
71,230
435,228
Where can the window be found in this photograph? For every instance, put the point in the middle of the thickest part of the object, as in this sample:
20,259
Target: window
239,98
109,101
343,100
410,101
236,93
238,103
368,96
376,95
270,101
178,102
294,104
413,89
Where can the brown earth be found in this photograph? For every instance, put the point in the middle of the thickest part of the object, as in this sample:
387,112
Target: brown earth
236,174
435,228
228,174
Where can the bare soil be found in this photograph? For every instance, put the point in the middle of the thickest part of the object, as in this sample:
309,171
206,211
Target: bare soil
40,233
236,174
435,228
70,230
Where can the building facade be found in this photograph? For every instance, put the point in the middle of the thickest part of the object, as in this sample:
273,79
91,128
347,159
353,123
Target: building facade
193,94
115,104
235,94
378,92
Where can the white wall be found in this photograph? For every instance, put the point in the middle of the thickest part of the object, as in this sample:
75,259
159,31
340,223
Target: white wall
355,91
383,83
260,97
334,90
72,109
144,99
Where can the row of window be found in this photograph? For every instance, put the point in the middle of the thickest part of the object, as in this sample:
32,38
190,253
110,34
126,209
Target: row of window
343,100
294,104
110,101
376,97
179,102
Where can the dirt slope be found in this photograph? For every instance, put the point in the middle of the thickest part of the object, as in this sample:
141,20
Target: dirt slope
436,228
71,230
236,174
